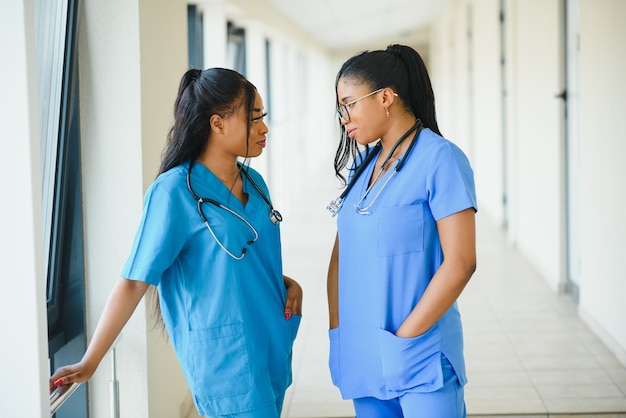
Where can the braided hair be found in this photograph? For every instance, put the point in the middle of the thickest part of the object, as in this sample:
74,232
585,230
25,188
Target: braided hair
402,69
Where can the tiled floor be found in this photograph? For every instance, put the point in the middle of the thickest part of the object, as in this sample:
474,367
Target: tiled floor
527,352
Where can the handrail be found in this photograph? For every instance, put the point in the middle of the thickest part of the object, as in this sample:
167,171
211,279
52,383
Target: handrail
114,394
60,394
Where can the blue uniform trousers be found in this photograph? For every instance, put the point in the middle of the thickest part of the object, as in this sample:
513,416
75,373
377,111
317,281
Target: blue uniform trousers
447,402
270,411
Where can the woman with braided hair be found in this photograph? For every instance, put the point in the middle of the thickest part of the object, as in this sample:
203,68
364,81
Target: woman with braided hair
209,243
405,245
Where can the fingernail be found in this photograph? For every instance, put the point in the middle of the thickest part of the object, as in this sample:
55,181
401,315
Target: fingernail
58,382
287,315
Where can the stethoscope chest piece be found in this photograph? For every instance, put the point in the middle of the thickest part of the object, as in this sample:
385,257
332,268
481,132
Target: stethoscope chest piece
334,206
275,217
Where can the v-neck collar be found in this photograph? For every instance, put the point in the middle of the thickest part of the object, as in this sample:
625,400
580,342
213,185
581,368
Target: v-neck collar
368,176
206,184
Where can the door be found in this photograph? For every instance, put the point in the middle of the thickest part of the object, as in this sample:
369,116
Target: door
572,141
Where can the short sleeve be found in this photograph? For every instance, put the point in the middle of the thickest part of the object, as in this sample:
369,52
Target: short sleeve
450,182
159,238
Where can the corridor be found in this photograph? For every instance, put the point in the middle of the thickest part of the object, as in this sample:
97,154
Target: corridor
527,352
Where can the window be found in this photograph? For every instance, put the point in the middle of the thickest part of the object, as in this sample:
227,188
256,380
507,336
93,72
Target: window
56,40
195,35
268,79
236,48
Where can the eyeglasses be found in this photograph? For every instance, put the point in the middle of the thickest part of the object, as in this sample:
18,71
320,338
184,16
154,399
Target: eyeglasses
342,109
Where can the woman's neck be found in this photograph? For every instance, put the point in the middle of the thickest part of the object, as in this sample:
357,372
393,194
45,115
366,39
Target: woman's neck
223,167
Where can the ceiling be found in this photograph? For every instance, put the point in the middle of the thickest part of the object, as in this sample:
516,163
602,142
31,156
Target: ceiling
350,24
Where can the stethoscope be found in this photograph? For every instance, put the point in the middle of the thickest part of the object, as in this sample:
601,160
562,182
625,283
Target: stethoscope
274,215
335,205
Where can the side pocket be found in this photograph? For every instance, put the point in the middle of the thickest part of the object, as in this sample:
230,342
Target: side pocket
282,339
333,358
294,322
218,357
412,364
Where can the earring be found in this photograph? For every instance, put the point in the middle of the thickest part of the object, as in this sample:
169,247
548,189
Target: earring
387,112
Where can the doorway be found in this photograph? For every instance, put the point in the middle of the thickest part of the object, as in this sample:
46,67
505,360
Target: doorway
572,145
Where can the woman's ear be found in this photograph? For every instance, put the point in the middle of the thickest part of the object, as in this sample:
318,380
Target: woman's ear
217,124
389,96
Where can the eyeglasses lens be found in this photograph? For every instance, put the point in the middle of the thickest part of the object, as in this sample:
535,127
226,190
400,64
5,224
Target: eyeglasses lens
343,114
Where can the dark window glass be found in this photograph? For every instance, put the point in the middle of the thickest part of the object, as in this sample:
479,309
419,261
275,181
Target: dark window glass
236,48
268,79
195,35
56,40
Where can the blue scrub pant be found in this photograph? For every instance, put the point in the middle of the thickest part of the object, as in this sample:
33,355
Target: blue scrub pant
271,411
447,402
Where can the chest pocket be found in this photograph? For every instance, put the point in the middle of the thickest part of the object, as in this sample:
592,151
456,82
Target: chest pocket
400,230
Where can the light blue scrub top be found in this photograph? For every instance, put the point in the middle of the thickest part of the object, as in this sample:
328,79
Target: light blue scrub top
225,317
386,260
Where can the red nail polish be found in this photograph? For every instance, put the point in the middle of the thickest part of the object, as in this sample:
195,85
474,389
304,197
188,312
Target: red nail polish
287,315
58,382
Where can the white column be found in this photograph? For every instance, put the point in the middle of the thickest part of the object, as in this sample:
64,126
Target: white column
23,324
214,24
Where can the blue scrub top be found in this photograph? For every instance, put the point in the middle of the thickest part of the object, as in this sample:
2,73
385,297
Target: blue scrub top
225,317
386,261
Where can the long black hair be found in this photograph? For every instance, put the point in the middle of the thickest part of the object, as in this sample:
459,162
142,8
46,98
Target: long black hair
402,69
201,94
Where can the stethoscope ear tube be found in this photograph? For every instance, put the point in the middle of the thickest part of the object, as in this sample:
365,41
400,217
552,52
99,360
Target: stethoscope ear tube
335,205
275,215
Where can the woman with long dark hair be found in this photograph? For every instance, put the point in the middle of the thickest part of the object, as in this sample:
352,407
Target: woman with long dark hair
209,243
405,246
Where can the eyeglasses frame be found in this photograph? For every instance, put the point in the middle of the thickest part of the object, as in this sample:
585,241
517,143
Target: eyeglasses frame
345,106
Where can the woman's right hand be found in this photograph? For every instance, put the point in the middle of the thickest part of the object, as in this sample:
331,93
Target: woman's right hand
121,304
74,373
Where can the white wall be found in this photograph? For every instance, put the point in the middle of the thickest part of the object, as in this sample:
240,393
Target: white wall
163,60
466,79
23,324
445,68
448,70
538,149
603,172
303,136
486,106
132,55
510,131
534,136
110,106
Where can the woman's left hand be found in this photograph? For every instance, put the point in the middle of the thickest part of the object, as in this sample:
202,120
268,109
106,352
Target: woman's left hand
294,297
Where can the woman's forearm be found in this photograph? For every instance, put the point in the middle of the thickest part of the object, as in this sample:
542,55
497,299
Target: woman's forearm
457,235
119,307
